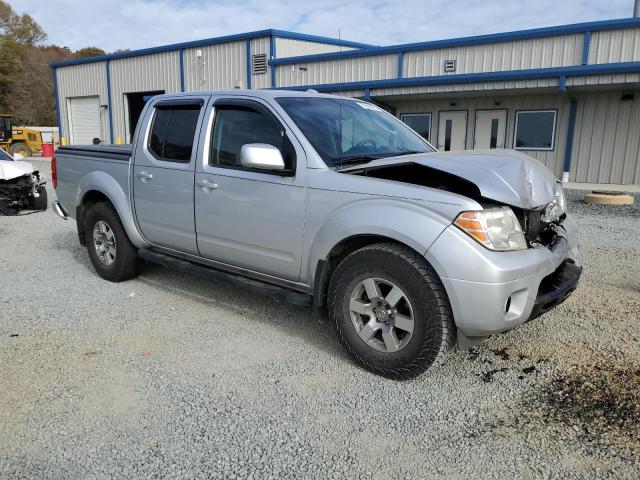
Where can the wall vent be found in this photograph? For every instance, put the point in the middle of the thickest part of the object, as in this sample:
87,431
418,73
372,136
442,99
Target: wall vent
449,66
259,64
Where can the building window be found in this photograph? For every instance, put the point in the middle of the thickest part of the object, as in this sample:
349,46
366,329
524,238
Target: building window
535,130
419,122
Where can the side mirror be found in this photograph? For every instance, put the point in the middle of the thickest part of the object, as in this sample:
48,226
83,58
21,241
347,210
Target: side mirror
261,156
18,156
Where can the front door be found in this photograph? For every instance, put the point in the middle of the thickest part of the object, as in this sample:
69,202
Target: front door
491,129
452,130
252,219
163,173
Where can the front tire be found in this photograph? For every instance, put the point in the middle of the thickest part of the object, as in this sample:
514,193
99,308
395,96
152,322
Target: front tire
390,310
111,253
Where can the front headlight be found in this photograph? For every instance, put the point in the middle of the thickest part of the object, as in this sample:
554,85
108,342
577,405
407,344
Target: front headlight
497,229
557,208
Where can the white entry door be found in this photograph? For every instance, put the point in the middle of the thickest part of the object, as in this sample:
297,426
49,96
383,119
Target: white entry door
452,130
84,120
491,129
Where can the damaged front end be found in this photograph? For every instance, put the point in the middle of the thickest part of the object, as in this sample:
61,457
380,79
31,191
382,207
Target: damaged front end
496,179
24,192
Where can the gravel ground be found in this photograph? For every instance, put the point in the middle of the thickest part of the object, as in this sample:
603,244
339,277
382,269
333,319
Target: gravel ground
169,376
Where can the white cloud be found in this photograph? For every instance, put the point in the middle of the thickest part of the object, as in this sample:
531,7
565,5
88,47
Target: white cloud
117,24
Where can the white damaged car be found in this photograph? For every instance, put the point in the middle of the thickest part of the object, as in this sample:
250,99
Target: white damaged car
21,186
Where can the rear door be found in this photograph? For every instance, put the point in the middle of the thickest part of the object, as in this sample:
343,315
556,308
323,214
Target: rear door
253,219
163,172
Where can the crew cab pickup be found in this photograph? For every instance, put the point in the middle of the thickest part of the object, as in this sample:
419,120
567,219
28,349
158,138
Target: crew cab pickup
333,202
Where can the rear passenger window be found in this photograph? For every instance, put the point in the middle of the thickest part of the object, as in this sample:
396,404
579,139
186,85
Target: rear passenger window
173,132
236,126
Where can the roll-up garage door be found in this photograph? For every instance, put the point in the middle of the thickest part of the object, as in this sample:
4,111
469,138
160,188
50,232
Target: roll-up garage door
84,119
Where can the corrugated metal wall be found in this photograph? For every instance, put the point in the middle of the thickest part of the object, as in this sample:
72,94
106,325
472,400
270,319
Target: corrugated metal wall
542,83
221,67
160,71
337,71
610,46
84,80
606,147
493,57
552,159
261,45
286,47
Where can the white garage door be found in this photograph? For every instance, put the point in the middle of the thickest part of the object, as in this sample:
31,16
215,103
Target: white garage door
84,119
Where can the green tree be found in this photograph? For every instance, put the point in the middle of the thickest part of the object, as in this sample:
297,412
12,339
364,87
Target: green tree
89,52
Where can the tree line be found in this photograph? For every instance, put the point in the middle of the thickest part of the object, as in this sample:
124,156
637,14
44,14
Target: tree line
26,82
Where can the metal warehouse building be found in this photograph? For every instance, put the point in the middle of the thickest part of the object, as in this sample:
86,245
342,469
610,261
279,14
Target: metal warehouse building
567,95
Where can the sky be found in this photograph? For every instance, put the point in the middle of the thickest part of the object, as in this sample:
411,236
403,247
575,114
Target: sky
133,24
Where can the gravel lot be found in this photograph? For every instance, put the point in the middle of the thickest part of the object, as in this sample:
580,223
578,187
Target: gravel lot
169,376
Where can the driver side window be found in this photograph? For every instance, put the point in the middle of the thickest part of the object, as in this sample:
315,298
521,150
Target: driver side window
236,126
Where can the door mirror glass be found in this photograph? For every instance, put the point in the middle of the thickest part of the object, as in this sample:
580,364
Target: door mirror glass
261,156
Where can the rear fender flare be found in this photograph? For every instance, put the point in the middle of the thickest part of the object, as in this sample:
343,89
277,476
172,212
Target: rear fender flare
109,187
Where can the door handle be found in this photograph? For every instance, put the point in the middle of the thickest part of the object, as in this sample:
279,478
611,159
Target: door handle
144,175
206,184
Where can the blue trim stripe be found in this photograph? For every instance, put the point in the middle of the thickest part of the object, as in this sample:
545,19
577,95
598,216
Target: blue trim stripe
182,69
554,72
109,101
400,64
57,98
249,72
213,41
272,55
568,151
586,46
465,41
319,39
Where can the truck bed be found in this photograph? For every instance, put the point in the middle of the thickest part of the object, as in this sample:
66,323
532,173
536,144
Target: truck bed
103,152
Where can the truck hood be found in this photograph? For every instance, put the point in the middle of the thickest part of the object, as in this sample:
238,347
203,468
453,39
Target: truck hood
14,169
506,176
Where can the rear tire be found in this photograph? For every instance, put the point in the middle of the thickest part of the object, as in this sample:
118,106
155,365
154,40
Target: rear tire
111,253
390,310
40,202
20,147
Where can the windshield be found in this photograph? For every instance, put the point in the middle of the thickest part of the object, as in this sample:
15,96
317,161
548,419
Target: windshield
347,131
4,155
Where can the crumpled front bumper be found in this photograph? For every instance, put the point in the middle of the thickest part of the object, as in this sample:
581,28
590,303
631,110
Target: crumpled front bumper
491,292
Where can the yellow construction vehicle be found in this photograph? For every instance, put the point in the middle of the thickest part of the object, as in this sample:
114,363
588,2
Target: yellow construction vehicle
25,141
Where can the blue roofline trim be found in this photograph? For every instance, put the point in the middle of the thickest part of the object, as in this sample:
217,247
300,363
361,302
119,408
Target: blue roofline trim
464,41
57,98
554,72
212,41
319,39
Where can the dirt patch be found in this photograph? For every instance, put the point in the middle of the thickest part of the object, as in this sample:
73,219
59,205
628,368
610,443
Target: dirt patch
603,401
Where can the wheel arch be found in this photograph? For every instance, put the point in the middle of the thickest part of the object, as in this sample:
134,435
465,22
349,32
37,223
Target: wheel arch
99,186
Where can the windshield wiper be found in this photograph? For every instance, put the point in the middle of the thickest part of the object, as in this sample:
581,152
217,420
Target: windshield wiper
357,159
404,152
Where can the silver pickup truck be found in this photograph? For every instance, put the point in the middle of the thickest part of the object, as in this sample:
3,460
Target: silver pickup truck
333,202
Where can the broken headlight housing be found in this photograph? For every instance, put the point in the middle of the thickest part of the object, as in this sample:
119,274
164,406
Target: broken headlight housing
497,229
557,207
